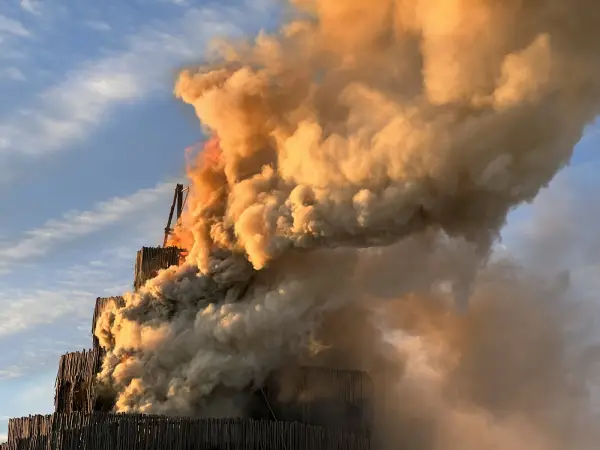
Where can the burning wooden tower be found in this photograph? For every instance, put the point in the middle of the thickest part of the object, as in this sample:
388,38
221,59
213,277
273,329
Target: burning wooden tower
304,408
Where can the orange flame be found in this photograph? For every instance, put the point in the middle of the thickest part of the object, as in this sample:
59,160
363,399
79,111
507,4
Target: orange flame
205,173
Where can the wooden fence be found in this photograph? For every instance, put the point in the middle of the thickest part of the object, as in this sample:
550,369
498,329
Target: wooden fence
74,387
103,431
319,396
150,260
102,304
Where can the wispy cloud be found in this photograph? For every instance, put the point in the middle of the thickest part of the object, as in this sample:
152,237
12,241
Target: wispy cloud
113,278
13,73
12,27
66,297
34,351
67,294
23,309
69,111
31,6
74,225
10,372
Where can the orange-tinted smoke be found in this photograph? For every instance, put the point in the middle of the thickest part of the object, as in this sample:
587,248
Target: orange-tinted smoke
204,175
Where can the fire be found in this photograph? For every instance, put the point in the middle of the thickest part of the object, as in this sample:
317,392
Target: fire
365,154
203,171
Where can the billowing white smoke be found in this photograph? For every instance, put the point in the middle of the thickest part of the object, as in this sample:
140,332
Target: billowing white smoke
365,124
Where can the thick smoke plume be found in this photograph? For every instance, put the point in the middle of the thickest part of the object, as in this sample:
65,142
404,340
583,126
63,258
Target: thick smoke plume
513,373
359,156
375,120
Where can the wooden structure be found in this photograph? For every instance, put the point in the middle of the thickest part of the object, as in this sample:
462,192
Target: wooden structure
107,431
297,409
150,260
74,387
179,203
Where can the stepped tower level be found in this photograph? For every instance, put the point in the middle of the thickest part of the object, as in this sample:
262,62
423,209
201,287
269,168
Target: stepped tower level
296,408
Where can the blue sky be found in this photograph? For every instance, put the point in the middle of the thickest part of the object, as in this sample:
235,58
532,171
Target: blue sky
91,142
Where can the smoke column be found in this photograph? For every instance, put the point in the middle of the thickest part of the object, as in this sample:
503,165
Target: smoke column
359,156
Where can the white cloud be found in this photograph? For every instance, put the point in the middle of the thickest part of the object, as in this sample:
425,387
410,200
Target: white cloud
12,27
10,372
3,437
31,6
24,309
68,293
74,225
71,110
13,73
